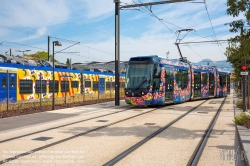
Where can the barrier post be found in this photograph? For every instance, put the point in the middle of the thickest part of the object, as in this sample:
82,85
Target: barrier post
8,91
65,90
41,89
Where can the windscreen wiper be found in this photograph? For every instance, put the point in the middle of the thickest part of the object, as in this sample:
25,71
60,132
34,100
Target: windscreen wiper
136,88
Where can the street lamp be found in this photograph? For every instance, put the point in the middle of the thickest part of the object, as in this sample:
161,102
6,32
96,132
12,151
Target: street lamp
55,43
23,51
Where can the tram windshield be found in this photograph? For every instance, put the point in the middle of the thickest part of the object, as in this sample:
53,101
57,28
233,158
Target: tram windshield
139,76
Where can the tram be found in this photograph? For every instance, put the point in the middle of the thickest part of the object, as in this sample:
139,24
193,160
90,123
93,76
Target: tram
152,80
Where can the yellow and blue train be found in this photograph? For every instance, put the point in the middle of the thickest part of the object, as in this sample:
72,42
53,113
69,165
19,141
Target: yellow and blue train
20,82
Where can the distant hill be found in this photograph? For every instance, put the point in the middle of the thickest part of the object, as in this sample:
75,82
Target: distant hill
221,64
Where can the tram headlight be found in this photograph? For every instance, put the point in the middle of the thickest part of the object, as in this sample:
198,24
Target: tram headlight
142,93
126,92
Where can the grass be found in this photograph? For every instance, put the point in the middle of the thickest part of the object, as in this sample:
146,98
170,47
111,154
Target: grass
242,119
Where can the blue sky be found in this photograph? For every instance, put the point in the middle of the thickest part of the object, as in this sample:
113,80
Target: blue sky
25,25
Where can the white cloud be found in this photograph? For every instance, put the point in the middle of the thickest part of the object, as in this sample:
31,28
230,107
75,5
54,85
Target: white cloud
26,13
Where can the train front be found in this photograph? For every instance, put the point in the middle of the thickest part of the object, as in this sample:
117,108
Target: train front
140,80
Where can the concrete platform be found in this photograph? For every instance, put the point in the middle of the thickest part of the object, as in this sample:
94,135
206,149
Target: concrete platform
57,137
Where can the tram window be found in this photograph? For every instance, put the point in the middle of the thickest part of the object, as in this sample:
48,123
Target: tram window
26,86
184,79
178,77
87,84
204,78
12,82
112,85
224,79
51,86
220,77
38,87
156,83
108,85
4,82
95,85
157,70
211,80
75,84
122,84
64,86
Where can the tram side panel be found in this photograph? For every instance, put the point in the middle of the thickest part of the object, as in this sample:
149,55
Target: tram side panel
31,83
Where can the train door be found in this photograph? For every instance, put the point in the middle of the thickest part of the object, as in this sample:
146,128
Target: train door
211,84
5,87
101,85
197,84
169,77
228,84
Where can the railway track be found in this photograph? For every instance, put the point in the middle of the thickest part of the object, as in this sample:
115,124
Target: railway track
72,137
196,154
117,158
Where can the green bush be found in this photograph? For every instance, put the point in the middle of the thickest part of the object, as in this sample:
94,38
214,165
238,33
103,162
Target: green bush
239,104
242,119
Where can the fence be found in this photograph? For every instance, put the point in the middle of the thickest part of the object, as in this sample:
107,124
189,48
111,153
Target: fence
78,98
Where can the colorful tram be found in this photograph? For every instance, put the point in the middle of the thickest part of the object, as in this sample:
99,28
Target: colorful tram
21,82
151,80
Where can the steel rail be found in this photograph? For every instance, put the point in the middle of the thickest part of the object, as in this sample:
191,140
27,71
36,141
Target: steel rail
194,159
72,137
140,143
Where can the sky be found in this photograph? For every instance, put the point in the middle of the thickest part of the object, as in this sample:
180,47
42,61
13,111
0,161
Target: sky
26,25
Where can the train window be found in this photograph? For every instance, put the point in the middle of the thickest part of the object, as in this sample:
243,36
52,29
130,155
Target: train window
178,78
220,77
204,78
184,79
87,84
211,80
64,86
224,80
108,85
74,84
112,85
38,87
157,70
12,82
26,86
95,86
51,86
4,82
122,84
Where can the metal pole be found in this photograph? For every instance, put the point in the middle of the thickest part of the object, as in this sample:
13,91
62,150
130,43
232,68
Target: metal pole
65,90
244,87
41,89
117,51
48,46
53,99
98,89
8,90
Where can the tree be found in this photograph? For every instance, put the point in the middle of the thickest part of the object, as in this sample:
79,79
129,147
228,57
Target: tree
238,45
68,62
41,55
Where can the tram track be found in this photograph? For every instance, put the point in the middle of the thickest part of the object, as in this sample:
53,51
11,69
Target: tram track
75,136
194,159
149,137
57,127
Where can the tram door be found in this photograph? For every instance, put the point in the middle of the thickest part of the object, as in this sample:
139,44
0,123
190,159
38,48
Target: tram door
169,77
211,84
6,87
228,84
101,86
197,84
